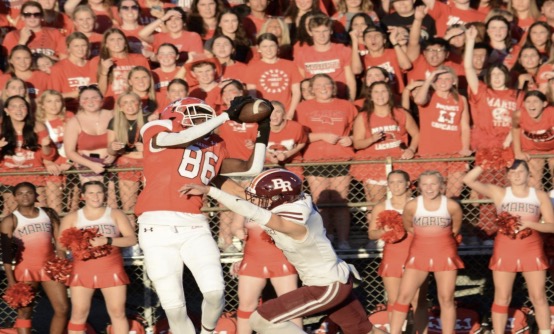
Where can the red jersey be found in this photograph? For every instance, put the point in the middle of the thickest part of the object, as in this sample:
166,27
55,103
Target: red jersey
537,135
446,16
331,62
274,81
389,62
491,111
288,138
237,71
36,84
47,41
334,117
237,137
167,170
440,126
67,77
394,128
187,42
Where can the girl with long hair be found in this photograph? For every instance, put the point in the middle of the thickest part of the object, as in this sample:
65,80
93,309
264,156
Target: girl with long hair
395,254
381,130
25,145
125,142
114,64
51,111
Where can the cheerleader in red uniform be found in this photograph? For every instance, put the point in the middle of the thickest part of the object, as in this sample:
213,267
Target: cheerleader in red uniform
32,229
262,260
533,133
434,220
105,273
522,254
395,254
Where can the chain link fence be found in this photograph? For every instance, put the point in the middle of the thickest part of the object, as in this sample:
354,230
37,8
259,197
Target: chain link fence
345,193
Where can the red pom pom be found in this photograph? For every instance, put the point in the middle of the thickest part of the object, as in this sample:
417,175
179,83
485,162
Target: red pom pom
494,158
507,224
391,221
78,242
19,295
59,269
526,232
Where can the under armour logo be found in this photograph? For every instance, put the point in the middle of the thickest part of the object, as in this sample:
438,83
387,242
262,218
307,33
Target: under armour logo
282,184
146,229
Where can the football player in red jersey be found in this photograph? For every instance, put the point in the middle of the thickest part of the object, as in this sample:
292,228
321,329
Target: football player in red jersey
180,149
276,202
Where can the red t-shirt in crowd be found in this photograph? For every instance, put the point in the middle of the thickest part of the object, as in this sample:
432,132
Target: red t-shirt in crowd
446,16
334,117
48,41
239,138
67,77
188,42
274,81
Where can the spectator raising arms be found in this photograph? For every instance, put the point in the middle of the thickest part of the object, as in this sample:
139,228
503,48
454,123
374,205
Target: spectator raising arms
525,255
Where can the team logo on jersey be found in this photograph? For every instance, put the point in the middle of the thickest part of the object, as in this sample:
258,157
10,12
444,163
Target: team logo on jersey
282,184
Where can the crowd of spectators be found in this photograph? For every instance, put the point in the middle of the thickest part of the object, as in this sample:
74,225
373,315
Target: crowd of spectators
350,80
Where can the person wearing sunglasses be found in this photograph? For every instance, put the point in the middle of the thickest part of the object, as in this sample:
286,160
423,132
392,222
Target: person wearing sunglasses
129,12
39,39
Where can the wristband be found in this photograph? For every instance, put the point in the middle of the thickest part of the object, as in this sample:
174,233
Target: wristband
109,240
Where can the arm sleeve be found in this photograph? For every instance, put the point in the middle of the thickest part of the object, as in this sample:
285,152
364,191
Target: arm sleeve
257,163
241,206
167,139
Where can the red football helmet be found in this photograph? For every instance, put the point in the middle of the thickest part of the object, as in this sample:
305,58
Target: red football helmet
184,112
274,187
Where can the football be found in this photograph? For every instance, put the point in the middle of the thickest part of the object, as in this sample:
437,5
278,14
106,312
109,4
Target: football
255,111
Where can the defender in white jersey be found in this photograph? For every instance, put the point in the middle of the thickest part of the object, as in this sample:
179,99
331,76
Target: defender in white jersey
290,218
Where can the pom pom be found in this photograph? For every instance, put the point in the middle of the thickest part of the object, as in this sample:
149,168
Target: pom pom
59,269
494,158
526,232
507,224
78,242
19,295
391,221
